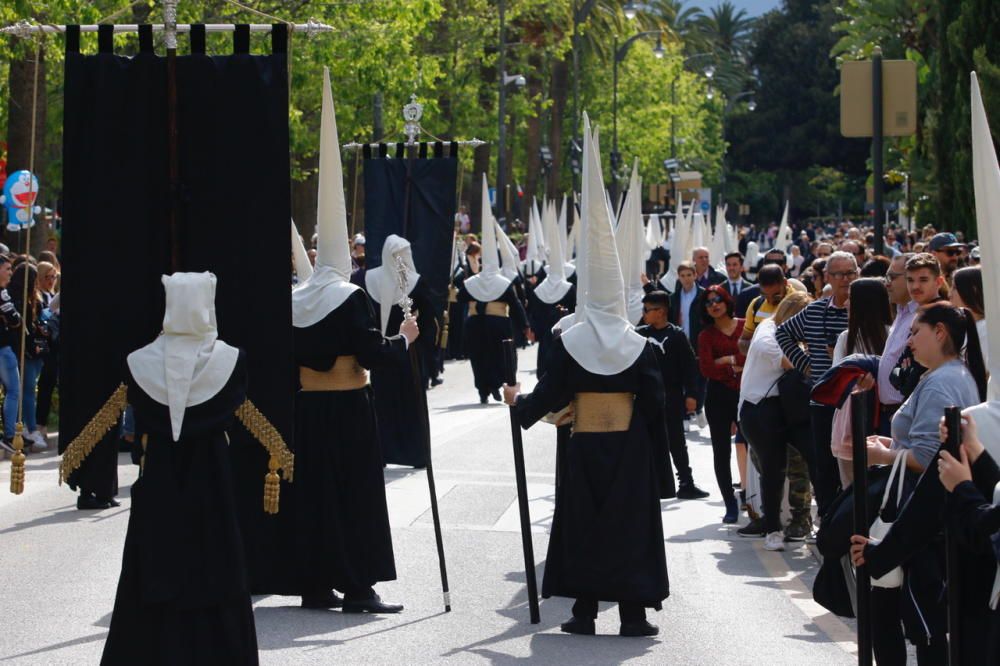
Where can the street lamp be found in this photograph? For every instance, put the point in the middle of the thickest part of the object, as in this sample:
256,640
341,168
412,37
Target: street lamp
751,106
709,72
620,53
505,80
631,9
710,94
659,51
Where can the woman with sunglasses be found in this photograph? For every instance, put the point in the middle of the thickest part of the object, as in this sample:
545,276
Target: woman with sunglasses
721,362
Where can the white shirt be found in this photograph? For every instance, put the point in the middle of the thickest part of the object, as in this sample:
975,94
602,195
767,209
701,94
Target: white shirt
840,349
763,366
894,346
687,298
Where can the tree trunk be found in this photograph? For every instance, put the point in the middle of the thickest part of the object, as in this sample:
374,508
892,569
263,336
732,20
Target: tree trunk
533,133
558,92
21,84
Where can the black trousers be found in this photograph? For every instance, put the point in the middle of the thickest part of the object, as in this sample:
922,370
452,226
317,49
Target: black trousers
769,436
627,611
826,479
47,381
720,411
677,440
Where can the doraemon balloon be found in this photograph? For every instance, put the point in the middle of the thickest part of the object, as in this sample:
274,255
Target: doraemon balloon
19,195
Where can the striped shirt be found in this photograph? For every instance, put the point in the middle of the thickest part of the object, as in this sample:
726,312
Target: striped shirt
818,326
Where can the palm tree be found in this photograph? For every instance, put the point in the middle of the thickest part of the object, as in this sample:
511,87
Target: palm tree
727,29
683,21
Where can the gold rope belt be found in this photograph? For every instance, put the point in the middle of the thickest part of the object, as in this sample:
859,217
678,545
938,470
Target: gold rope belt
602,412
345,375
497,309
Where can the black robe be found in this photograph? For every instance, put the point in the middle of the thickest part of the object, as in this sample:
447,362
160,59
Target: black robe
606,541
457,313
342,522
543,316
397,406
182,595
484,334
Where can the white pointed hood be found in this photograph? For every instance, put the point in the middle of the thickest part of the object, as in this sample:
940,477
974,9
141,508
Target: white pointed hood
510,261
330,283
601,340
383,283
564,237
489,284
986,181
631,243
535,255
784,237
187,364
303,267
654,236
554,287
678,243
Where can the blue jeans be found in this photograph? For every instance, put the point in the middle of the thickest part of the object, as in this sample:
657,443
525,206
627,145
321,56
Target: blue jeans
10,377
32,369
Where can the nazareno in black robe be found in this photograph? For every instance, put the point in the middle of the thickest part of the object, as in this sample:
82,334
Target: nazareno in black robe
342,522
606,541
183,596
543,316
484,334
400,434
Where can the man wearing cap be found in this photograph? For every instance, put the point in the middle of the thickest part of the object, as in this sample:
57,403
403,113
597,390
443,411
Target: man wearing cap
947,249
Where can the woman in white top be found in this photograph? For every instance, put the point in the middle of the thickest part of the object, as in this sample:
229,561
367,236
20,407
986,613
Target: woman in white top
762,417
796,261
967,292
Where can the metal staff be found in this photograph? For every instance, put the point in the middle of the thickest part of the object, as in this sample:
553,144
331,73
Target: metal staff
953,419
522,487
406,303
173,169
859,415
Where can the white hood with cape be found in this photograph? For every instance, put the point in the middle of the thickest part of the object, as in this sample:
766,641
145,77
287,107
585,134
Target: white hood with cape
186,365
554,287
382,283
630,239
489,284
330,283
601,339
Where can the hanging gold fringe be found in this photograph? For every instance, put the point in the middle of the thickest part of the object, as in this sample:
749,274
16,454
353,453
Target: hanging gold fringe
92,433
281,458
17,462
272,487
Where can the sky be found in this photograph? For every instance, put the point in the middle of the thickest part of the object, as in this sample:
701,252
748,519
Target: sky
752,7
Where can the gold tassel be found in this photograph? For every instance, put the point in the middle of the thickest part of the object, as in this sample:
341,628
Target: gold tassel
264,432
272,487
17,462
444,331
142,460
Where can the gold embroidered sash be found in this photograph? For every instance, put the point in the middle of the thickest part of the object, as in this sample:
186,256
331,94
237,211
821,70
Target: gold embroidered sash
498,309
602,412
345,375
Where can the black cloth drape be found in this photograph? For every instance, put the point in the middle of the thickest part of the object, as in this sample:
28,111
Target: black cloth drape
415,199
233,206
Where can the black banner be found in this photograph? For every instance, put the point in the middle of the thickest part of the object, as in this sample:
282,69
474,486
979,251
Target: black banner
413,197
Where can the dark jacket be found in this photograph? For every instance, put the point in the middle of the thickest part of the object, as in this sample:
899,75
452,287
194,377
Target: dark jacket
748,291
677,361
697,306
711,277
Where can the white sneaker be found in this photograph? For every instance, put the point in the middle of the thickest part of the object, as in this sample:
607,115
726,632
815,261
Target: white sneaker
38,442
774,541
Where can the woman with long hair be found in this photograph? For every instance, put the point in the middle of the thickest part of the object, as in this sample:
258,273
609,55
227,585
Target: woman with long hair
938,335
48,278
819,277
868,320
721,362
967,292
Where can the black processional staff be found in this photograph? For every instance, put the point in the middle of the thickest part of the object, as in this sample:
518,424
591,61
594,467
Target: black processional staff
859,416
420,395
953,420
173,168
510,378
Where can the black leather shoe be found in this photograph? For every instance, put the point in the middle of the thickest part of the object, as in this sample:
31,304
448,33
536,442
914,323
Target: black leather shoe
578,625
436,381
108,502
640,628
496,395
372,605
327,599
690,492
484,398
88,503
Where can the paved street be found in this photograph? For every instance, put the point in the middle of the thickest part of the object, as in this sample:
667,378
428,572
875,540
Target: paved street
731,602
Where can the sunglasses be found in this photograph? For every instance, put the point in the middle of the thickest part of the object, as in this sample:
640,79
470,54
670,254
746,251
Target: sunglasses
653,309
712,300
952,252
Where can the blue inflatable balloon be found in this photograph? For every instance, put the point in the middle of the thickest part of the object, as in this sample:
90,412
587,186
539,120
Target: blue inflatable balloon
19,195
